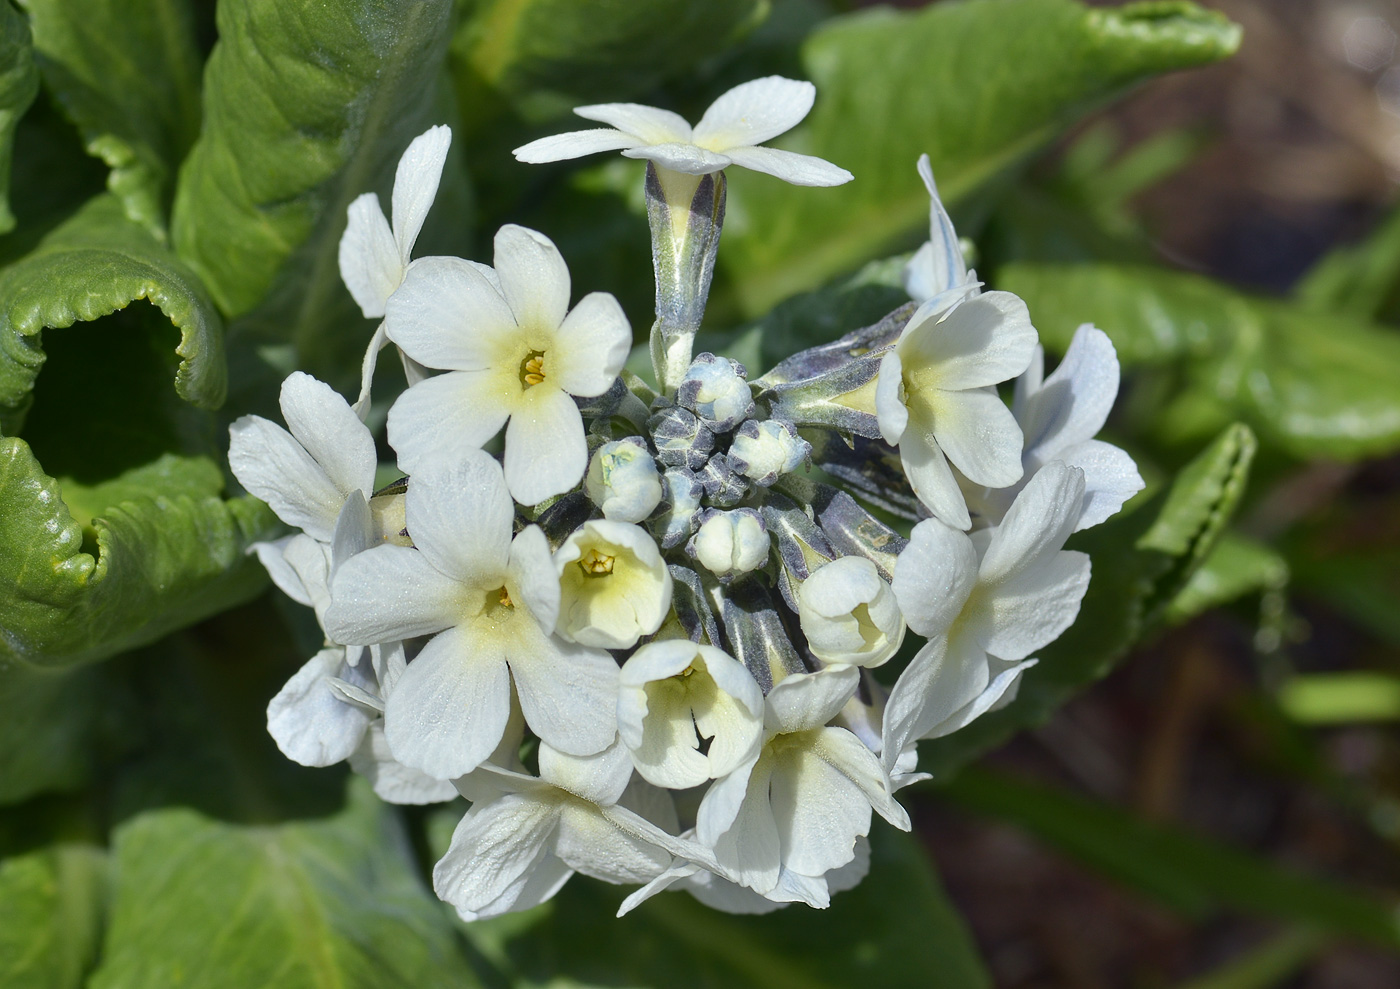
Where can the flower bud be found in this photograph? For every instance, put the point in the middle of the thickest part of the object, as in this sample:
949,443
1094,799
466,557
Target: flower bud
715,390
730,543
763,451
849,614
683,493
723,485
613,585
681,439
623,481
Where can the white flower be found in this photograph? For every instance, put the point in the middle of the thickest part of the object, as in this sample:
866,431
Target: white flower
731,543
494,602
936,398
849,614
623,480
675,693
305,475
780,823
985,602
614,586
937,270
728,134
373,257
524,837
764,451
1060,415
513,351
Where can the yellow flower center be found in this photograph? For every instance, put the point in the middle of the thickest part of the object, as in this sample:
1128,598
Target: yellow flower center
532,369
596,564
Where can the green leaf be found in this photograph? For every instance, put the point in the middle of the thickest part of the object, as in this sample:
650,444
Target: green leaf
332,902
19,84
1141,560
53,906
895,929
132,560
1268,964
1316,384
1191,875
1359,279
978,85
128,76
1341,698
92,265
1236,566
305,108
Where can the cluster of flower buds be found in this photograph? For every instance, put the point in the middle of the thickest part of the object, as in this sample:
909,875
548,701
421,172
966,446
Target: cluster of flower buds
643,639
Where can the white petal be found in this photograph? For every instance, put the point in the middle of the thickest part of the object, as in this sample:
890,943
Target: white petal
546,452
1031,609
310,560
930,476
590,843
648,124
890,411
416,184
600,778
790,166
370,265
391,592
310,724
941,679
1110,479
352,531
494,845
447,315
534,278
394,782
593,343
273,466
1037,524
1073,403
819,813
1028,383
978,433
747,846
849,756
574,144
934,576
287,581
531,568
998,693
323,422
449,709
367,366
982,342
443,417
809,700
754,112
536,885
685,158
938,266
568,692
461,517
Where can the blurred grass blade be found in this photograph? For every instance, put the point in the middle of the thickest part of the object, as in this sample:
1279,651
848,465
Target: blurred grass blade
1191,875
1341,698
1267,965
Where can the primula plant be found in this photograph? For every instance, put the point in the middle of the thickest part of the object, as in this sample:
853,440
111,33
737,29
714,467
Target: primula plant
670,560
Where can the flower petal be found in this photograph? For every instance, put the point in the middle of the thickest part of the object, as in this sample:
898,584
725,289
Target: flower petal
574,144
443,417
416,184
790,166
890,411
819,813
1037,523
600,778
534,278
270,555
809,700
461,518
449,709
272,465
306,719
546,452
388,593
978,433
392,780
648,124
983,341
593,343
929,474
848,755
754,112
531,567
1072,404
736,820
1110,479
494,845
943,677
685,158
1031,609
568,692
934,576
323,422
447,315
591,844
370,264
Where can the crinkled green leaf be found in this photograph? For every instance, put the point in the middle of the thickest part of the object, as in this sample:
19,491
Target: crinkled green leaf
896,929
977,85
541,58
19,83
1236,566
132,563
1141,560
1360,279
52,908
128,76
94,264
330,902
1192,875
1317,384
305,108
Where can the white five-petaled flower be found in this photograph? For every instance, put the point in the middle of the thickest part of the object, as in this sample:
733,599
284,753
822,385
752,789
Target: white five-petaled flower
937,272
675,693
494,602
1060,416
512,350
985,602
936,398
849,613
614,586
728,134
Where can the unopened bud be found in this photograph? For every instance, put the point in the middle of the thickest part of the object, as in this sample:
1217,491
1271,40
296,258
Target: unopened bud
730,543
724,486
683,493
764,451
849,613
623,480
681,439
715,390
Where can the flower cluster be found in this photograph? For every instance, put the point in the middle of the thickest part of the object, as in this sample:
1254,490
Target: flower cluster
643,638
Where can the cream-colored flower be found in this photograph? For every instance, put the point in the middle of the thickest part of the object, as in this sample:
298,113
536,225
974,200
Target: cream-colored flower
614,586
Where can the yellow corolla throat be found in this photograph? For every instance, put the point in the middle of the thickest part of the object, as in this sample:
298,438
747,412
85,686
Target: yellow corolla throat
594,563
532,369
